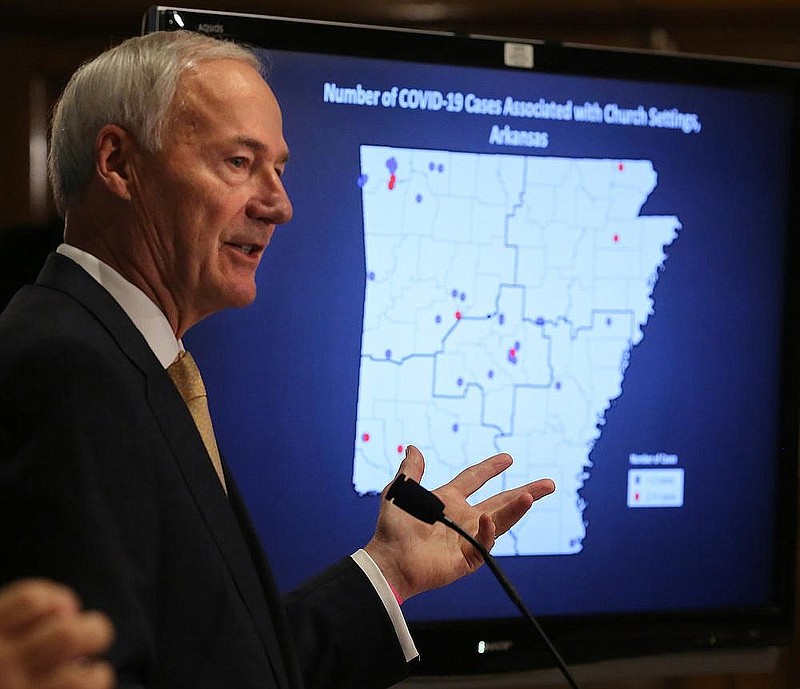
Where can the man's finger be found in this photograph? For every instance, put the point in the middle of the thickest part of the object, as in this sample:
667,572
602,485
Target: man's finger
509,514
487,531
413,464
25,602
537,489
475,476
508,507
64,639
94,675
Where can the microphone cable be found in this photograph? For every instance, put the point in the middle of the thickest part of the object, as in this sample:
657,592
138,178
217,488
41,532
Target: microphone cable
421,503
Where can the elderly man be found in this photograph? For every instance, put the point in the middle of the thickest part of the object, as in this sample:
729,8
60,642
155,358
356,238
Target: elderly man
166,161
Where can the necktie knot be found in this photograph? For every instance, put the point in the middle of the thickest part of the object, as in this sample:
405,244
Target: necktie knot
187,379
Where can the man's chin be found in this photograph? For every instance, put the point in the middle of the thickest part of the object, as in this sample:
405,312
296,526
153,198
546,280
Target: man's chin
237,302
227,295
244,297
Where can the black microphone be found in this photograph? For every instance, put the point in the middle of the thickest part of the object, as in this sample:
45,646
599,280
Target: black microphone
419,502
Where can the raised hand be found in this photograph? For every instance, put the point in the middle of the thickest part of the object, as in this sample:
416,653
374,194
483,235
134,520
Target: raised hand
416,557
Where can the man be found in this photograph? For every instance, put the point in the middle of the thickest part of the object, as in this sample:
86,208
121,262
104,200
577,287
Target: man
46,640
166,161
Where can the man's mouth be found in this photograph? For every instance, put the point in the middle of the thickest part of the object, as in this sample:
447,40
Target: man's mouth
246,249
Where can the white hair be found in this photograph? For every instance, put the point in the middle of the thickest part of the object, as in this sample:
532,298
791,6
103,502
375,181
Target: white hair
131,85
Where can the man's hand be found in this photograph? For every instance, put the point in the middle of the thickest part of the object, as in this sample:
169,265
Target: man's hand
47,642
416,557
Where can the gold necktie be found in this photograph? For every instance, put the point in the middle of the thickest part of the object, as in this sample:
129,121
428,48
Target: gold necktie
187,379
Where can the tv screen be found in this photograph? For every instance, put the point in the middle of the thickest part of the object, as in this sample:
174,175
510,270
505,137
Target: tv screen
581,256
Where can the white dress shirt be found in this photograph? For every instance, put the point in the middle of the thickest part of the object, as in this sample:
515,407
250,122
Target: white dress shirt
157,332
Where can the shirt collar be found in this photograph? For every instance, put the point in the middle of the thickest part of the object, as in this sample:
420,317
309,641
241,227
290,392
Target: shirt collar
145,314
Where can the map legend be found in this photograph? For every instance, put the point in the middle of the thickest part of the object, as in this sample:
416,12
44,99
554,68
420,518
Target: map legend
655,488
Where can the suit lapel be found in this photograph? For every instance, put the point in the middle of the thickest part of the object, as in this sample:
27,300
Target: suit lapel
199,474
195,466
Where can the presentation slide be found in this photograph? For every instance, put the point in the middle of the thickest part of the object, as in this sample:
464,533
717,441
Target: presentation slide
585,273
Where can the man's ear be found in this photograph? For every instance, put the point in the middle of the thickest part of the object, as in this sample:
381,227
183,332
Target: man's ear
114,151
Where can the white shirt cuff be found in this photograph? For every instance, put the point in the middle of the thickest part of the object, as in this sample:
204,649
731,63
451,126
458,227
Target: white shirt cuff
384,591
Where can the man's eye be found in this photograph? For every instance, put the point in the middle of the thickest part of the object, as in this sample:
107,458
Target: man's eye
238,162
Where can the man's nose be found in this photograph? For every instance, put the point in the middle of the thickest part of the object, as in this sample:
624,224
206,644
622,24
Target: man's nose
271,203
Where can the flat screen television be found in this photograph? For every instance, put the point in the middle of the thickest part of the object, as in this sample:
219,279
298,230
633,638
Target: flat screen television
586,257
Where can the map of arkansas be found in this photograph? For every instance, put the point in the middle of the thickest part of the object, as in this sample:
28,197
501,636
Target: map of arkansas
504,294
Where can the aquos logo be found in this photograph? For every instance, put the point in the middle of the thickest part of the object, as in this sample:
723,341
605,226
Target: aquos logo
211,28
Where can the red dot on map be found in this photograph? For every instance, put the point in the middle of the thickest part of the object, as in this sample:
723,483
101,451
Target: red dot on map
392,181
621,167
458,315
616,238
365,437
399,449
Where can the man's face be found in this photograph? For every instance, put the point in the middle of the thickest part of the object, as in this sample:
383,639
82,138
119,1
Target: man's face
209,201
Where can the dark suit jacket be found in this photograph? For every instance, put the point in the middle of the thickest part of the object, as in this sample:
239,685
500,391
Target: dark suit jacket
105,485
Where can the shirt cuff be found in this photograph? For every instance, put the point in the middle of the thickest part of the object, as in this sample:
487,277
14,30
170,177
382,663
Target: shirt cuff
384,591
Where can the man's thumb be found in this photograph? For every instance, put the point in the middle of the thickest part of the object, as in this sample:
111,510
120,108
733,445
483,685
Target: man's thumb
413,464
